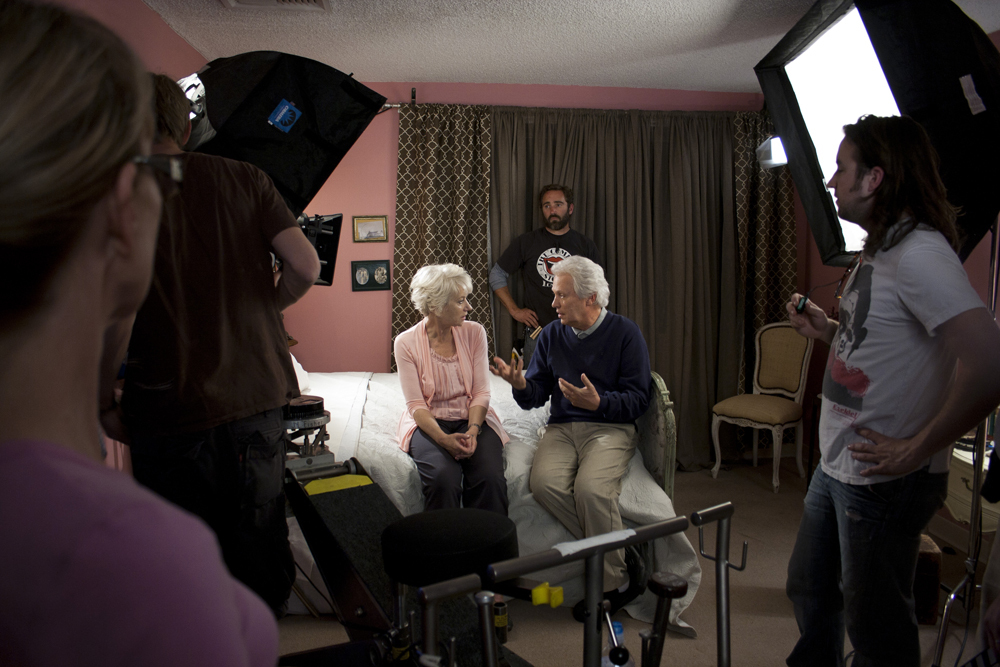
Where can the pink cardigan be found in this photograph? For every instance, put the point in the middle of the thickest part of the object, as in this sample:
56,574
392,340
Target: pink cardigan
413,359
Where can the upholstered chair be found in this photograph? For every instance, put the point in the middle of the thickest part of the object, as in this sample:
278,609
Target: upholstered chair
779,381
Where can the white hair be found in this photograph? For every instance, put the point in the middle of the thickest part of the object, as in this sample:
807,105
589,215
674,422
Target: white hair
435,284
588,278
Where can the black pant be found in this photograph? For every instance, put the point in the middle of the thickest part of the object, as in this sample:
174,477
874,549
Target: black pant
230,476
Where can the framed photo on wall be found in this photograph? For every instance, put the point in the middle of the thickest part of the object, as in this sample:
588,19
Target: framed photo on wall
370,275
370,228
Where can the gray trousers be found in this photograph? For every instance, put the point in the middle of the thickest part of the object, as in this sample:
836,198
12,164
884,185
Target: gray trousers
477,481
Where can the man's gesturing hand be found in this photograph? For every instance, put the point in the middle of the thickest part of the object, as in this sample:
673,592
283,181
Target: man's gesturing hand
585,397
512,374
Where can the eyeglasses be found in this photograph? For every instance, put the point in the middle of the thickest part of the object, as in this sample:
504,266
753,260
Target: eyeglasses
168,170
855,263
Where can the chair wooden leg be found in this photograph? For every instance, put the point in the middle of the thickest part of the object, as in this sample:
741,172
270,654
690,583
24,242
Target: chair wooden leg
778,435
755,434
715,441
798,449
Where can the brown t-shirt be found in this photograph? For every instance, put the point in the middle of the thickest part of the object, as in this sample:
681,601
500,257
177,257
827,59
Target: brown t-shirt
208,346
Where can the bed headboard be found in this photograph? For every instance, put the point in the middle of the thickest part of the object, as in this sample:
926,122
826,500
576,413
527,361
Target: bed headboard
657,430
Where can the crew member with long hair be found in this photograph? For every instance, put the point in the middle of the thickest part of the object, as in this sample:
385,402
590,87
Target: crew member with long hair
914,364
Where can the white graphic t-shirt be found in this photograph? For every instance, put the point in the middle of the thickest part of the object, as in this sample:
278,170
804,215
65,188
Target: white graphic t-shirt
887,370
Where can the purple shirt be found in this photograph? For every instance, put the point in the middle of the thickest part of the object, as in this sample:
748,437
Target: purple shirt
97,570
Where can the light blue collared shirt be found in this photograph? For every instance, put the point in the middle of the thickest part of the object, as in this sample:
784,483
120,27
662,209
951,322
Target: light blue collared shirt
600,318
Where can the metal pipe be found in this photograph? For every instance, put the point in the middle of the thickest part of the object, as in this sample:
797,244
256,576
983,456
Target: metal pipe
430,623
716,513
429,597
722,590
450,588
593,596
721,513
581,549
945,615
667,588
484,600
399,603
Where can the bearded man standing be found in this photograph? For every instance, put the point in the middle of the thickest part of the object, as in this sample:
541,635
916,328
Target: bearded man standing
534,254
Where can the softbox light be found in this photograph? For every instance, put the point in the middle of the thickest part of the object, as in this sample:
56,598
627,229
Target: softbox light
942,70
293,117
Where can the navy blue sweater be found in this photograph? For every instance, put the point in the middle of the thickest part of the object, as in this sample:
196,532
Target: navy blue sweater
615,360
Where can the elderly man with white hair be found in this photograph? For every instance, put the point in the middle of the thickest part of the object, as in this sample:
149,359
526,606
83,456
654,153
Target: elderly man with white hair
595,367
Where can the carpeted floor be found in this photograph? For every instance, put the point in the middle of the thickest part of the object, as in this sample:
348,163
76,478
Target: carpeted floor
763,628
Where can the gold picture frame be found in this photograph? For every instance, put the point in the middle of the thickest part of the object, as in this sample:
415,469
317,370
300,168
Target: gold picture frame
371,229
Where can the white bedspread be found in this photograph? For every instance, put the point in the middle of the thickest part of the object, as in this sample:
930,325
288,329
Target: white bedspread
642,501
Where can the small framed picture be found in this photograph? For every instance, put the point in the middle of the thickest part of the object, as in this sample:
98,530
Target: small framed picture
370,275
370,228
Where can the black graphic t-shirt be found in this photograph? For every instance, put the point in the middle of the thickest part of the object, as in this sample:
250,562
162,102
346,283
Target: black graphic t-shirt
536,252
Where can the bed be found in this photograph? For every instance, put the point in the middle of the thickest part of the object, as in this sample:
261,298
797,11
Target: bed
365,410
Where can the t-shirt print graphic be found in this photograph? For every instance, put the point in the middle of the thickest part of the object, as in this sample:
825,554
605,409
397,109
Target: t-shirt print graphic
547,260
846,384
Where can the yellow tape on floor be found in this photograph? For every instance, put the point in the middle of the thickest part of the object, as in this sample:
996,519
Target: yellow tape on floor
318,486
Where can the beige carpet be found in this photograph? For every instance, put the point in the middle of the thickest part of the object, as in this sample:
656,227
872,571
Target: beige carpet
763,629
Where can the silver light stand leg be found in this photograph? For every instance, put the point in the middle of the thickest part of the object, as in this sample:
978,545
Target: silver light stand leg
968,582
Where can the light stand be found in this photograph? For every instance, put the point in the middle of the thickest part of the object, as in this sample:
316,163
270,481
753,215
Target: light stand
966,588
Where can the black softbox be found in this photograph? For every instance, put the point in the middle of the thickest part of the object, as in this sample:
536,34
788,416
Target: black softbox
943,71
293,117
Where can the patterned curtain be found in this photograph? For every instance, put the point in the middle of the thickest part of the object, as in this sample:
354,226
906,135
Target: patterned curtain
442,203
765,221
765,224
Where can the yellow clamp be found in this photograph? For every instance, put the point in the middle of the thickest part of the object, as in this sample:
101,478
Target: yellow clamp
544,594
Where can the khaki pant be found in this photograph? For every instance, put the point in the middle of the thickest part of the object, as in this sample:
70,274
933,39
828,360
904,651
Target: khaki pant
577,476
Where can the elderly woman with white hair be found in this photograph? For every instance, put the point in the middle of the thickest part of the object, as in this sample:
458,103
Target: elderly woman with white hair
448,427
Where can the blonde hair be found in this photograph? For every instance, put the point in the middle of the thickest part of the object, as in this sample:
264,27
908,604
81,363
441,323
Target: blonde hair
435,284
76,105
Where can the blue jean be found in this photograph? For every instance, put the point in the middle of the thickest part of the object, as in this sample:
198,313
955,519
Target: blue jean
853,566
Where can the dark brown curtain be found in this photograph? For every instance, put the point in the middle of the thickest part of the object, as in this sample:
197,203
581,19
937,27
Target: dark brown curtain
442,202
654,190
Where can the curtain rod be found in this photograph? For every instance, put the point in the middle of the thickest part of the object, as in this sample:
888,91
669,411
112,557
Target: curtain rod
413,100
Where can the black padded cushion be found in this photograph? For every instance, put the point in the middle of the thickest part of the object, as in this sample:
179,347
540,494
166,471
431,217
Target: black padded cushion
434,546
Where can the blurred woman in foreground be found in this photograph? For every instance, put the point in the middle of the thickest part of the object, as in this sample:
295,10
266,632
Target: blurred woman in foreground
96,570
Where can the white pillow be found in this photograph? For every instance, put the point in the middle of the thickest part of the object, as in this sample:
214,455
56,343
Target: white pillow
300,374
